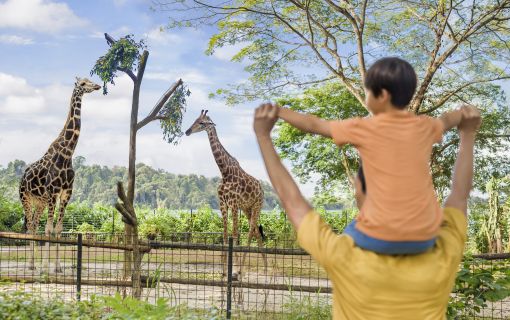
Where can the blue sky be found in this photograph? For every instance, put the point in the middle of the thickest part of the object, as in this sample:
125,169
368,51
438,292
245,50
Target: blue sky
45,44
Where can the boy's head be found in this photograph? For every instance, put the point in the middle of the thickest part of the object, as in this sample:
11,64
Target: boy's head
389,82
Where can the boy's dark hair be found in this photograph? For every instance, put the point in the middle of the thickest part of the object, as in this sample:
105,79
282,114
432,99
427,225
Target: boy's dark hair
395,75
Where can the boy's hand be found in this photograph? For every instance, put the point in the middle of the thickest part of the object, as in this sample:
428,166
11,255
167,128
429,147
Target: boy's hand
471,119
265,118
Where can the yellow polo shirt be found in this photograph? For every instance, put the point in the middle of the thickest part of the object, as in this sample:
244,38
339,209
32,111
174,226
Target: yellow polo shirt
367,285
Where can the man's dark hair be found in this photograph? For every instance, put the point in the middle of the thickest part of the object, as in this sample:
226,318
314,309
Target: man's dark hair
395,75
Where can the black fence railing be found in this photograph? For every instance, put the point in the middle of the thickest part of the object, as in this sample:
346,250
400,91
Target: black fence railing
196,270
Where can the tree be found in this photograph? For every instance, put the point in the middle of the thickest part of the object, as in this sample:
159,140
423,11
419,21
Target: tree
123,55
460,50
495,221
314,157
460,43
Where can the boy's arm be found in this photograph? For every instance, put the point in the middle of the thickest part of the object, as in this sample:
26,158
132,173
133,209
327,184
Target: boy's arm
305,122
293,202
451,119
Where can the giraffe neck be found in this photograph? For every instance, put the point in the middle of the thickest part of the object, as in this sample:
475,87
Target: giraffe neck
223,159
68,138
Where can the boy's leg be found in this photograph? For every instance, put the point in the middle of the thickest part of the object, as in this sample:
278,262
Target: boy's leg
462,180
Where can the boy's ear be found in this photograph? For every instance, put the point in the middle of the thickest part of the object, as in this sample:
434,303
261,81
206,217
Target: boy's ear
385,95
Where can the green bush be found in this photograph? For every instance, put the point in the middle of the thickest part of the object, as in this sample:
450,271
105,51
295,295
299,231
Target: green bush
475,285
21,305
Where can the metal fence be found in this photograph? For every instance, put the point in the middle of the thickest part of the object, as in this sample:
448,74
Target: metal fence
195,269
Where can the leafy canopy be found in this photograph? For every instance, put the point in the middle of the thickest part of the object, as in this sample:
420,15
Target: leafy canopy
172,113
317,158
124,54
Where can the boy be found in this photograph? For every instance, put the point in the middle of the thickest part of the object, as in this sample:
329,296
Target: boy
401,214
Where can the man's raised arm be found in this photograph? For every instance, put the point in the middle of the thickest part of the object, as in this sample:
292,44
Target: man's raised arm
462,180
293,202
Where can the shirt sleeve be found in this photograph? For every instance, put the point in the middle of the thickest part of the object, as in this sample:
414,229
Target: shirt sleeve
345,131
436,128
318,239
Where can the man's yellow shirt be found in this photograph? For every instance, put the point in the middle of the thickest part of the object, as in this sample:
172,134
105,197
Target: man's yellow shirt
367,285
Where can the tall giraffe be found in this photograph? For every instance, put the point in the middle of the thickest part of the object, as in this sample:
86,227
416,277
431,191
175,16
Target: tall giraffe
50,179
237,189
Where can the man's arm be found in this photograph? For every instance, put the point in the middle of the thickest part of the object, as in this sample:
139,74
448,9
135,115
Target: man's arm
305,122
293,202
462,180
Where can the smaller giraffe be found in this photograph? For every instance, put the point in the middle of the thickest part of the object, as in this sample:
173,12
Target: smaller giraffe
50,179
237,190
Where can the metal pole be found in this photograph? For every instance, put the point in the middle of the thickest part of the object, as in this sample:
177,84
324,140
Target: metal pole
229,277
78,266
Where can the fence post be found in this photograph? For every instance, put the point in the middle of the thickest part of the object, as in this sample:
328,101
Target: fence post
229,277
78,266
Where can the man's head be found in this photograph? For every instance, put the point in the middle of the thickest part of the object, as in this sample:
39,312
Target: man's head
389,83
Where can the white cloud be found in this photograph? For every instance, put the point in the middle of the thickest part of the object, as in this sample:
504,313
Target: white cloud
14,39
38,15
10,84
161,36
188,76
226,53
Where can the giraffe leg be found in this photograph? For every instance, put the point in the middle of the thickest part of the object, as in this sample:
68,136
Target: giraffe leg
224,216
64,200
48,231
29,223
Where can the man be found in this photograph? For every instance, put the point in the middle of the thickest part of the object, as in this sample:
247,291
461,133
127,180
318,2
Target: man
367,285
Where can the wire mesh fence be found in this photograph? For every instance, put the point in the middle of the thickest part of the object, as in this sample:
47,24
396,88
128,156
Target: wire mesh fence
196,269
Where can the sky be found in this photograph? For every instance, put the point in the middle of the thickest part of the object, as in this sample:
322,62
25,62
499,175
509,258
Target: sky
45,44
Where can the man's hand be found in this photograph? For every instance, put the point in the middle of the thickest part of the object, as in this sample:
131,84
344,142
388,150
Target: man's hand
471,119
265,118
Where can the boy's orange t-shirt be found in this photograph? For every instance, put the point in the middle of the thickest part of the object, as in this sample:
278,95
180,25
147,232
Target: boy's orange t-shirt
395,148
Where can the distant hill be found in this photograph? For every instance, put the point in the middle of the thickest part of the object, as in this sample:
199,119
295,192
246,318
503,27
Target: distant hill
155,188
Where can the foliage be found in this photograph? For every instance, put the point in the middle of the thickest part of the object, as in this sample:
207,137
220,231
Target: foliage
171,114
21,305
317,158
314,156
95,185
123,54
475,285
306,308
287,45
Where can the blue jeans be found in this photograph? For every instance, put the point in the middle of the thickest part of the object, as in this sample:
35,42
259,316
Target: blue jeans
387,247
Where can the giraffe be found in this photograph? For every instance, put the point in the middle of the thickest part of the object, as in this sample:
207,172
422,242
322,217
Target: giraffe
50,179
237,190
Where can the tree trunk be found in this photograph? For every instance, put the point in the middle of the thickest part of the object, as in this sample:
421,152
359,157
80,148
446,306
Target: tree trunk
132,260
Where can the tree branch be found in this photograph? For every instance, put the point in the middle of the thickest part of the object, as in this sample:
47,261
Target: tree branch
153,115
110,42
452,93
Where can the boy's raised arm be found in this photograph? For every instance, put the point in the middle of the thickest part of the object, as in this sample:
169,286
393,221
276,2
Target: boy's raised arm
305,122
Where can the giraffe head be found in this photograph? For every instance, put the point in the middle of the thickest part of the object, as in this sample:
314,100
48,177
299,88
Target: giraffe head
86,85
202,123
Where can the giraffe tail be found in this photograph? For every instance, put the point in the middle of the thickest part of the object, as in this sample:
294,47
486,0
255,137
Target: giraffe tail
261,231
